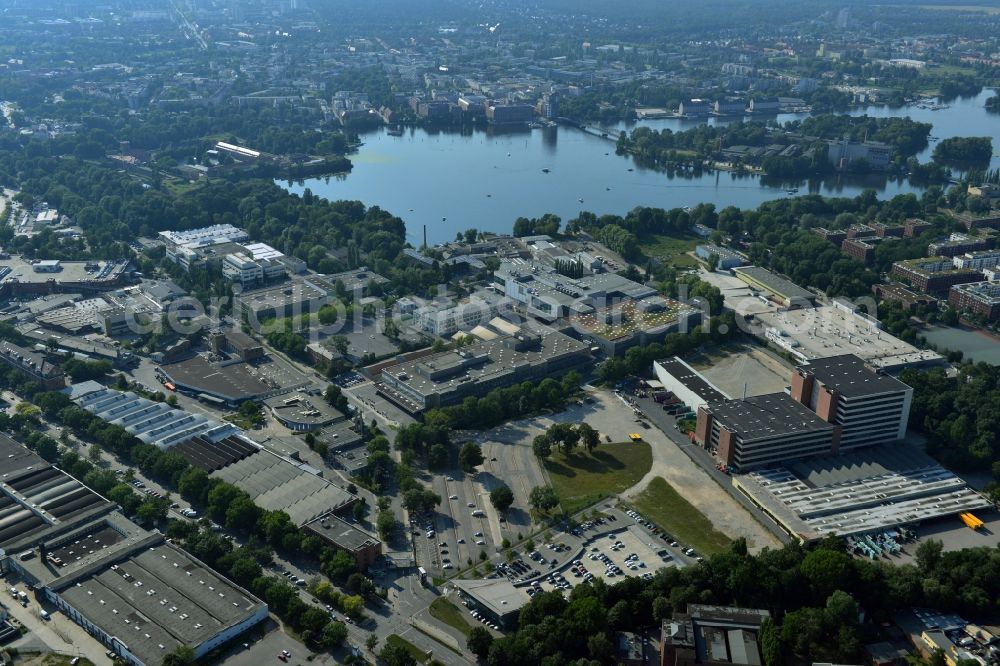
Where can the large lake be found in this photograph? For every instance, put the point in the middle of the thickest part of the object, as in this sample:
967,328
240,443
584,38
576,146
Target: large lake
452,181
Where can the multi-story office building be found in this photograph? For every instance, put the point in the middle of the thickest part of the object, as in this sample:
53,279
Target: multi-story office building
870,408
450,377
835,405
842,154
186,248
763,430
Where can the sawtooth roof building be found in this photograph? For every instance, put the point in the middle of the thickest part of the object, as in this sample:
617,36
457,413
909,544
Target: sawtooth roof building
138,595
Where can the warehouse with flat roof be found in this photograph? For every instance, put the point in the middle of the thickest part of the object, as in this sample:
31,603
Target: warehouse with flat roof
787,292
148,602
138,595
809,334
451,376
689,385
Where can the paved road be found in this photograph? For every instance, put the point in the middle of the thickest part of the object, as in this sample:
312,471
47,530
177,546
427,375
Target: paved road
59,633
674,459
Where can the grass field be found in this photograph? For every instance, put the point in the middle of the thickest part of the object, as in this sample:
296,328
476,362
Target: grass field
581,479
670,249
663,505
450,614
419,655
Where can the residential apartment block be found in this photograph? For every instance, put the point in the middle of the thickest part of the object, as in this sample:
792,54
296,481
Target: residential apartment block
982,298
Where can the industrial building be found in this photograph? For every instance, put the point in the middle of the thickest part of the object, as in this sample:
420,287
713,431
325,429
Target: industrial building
236,342
358,281
495,598
689,385
765,105
694,108
301,295
246,270
225,383
627,323
20,278
782,289
763,430
33,365
712,635
154,423
341,535
933,274
834,405
188,248
808,334
276,483
451,376
463,316
138,595
726,258
548,295
303,413
981,298
509,114
868,493
730,107
869,407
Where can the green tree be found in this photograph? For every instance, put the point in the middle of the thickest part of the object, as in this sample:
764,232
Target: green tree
385,524
479,642
334,635
543,498
469,457
502,498
542,446
589,437
371,642
395,654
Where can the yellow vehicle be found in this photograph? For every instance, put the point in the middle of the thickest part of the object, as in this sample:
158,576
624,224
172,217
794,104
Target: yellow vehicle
971,521
635,437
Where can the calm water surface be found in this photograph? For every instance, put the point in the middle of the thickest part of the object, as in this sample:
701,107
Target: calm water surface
485,179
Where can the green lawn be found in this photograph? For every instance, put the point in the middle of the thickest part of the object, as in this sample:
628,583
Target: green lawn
670,249
450,614
581,479
415,652
663,505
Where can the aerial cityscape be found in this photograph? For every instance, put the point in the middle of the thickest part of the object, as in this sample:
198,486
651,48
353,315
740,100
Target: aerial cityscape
511,332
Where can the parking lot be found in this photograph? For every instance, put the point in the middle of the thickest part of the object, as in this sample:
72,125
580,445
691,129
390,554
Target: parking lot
458,522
